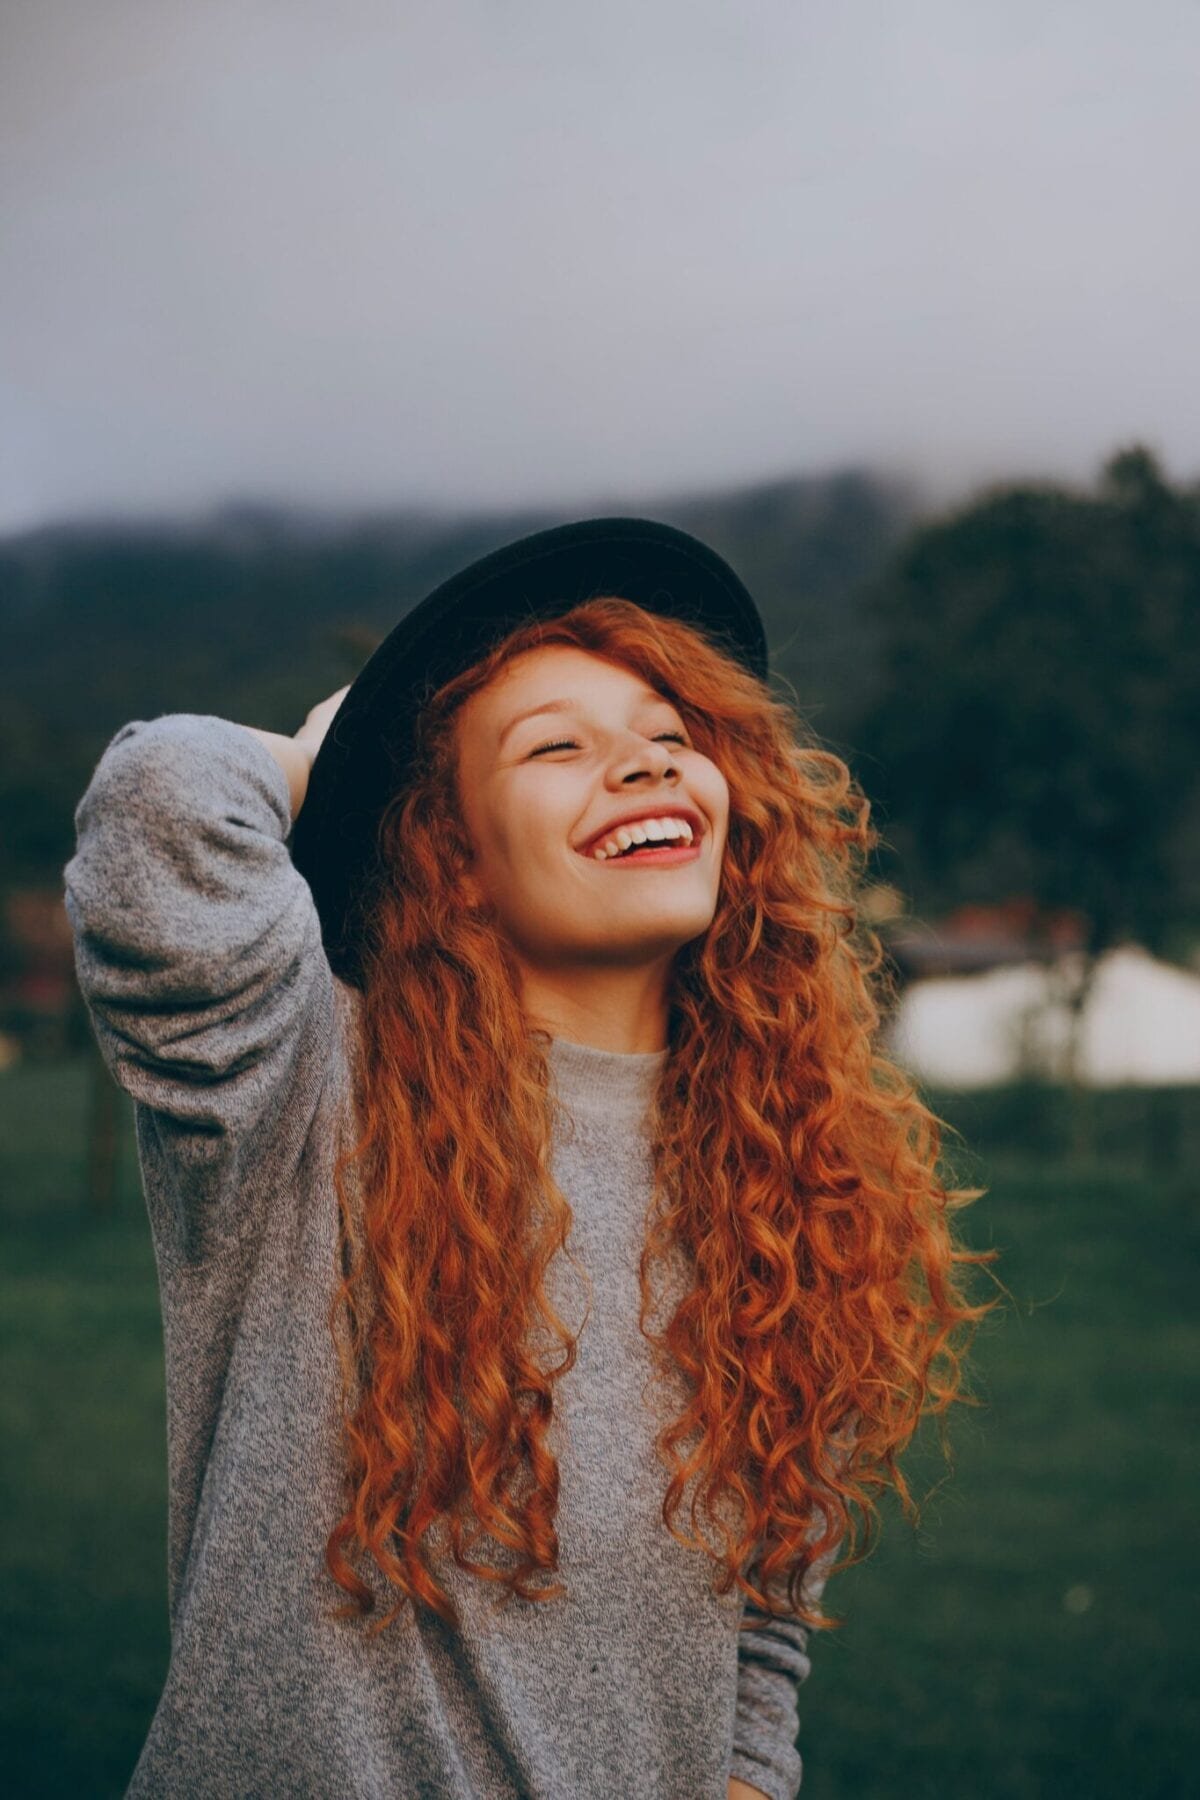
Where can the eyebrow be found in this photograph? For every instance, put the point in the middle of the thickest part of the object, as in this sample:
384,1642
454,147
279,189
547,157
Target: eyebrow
568,705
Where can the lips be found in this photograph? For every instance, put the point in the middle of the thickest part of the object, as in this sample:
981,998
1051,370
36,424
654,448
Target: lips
636,818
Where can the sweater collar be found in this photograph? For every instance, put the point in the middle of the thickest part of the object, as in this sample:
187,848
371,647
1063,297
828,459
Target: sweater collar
613,1085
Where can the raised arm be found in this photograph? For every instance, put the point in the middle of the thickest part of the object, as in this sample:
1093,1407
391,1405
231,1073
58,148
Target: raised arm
296,755
198,952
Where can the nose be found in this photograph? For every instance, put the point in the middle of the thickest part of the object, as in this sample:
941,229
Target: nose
644,759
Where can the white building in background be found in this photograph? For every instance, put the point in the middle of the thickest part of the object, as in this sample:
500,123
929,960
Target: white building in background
1141,1024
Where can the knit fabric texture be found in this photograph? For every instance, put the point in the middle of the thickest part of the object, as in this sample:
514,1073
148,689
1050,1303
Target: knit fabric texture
198,951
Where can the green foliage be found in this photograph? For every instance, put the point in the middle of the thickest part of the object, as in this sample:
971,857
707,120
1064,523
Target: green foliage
83,1615
1035,1636
1036,728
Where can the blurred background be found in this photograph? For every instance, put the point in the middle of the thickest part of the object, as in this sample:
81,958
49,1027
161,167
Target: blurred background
304,307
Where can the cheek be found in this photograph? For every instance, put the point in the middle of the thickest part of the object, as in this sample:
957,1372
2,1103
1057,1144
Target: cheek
521,855
715,800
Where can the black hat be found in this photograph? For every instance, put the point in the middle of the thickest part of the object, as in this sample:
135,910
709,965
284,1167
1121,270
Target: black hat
368,747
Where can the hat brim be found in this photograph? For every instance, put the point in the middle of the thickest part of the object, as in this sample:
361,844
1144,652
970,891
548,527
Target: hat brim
365,752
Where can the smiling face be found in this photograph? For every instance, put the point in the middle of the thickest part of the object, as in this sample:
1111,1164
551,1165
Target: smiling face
559,747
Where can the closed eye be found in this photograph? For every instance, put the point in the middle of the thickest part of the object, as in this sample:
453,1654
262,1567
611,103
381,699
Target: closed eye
570,744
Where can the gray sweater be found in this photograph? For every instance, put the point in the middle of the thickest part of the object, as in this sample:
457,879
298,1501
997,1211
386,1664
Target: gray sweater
198,950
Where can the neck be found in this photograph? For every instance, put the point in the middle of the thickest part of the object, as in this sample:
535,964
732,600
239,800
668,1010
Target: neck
623,1010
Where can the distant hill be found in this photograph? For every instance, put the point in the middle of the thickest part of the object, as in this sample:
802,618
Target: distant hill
256,612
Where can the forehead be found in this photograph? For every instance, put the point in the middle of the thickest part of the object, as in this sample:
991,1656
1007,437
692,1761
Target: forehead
557,672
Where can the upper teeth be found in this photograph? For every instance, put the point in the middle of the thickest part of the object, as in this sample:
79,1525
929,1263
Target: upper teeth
645,831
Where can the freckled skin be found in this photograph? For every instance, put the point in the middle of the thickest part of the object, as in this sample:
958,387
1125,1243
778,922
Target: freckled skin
594,944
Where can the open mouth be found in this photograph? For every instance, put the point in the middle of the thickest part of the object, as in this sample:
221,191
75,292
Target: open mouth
650,855
642,837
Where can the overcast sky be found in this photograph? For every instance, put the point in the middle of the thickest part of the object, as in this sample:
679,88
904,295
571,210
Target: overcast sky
529,250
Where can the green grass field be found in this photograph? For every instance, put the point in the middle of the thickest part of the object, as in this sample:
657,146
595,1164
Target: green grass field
1036,1637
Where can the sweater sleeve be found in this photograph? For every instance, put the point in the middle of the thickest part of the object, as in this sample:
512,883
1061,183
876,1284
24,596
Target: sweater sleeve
773,1661
198,953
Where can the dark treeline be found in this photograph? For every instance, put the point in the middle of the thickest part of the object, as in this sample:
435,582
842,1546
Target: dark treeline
255,614
1016,683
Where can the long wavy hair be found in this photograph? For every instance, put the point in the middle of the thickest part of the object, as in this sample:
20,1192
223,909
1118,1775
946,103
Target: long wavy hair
797,1167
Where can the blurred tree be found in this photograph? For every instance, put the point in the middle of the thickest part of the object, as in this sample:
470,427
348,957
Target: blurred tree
1036,728
255,613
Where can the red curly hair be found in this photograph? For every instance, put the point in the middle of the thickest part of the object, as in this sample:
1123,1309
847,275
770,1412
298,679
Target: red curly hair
795,1165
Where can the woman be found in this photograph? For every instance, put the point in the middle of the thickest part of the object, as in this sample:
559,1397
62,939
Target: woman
550,1268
